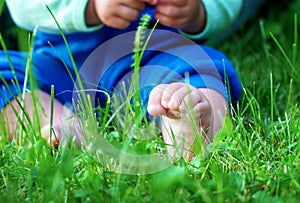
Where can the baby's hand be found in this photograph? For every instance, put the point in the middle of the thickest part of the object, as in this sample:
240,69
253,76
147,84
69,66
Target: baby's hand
180,14
118,13
152,2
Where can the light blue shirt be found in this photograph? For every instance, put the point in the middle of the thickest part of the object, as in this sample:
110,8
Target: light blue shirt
220,15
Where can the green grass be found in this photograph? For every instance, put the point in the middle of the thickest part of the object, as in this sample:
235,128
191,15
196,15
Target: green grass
257,161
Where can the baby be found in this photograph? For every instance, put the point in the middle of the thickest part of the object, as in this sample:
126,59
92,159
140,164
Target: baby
188,111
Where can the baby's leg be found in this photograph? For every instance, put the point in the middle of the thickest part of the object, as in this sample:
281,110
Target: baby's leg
64,124
187,112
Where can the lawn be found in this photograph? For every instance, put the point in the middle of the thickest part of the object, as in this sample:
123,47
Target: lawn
255,159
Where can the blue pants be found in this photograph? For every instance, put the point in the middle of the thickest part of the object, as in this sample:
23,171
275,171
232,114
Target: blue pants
104,57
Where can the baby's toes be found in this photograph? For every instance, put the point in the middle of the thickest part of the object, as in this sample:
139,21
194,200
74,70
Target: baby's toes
155,110
61,134
51,135
155,107
191,100
171,97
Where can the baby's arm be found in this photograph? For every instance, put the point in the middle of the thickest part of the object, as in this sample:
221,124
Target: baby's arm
34,13
75,15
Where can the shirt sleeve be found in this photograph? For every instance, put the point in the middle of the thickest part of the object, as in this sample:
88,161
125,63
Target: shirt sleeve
220,15
68,13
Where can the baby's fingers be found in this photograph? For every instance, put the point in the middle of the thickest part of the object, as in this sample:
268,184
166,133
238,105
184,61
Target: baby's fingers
174,2
152,2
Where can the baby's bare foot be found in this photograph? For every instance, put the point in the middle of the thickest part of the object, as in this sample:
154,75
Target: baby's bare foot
62,134
186,113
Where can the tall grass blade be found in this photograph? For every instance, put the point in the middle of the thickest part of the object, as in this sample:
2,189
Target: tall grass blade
86,107
284,54
29,75
81,87
265,45
139,49
272,103
23,116
295,44
23,44
10,63
2,5
51,114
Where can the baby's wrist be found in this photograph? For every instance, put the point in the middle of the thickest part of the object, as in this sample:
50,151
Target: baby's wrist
91,17
198,25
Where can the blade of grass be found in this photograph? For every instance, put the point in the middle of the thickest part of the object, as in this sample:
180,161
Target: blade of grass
2,5
10,63
87,107
285,55
295,44
272,103
264,38
105,113
138,55
15,81
22,44
290,94
81,87
17,114
64,63
51,113
29,76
